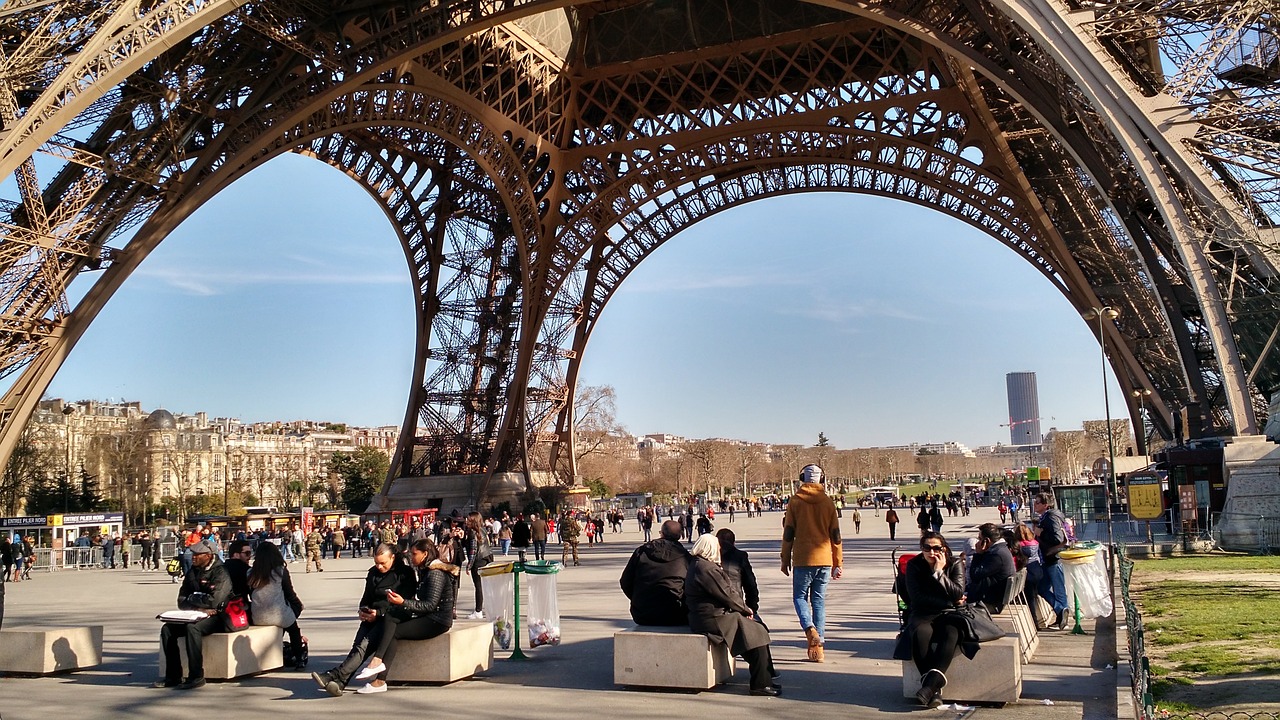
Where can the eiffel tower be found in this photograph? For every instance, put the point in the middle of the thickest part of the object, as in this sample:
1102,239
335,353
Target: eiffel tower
531,153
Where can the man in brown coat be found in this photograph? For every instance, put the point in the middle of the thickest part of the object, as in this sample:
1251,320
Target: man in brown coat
811,545
538,533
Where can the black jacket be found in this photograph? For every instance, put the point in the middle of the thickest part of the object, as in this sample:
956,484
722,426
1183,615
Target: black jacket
928,595
207,588
521,534
399,578
433,597
1053,535
239,572
988,575
737,566
654,581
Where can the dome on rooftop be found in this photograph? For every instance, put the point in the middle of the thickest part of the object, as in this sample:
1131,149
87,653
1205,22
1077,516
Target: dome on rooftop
161,420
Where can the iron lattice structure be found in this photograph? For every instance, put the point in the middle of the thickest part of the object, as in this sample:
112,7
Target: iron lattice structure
531,153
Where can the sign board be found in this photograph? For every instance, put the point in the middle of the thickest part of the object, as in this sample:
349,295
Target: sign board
1146,501
1187,499
306,519
1033,475
1101,468
26,521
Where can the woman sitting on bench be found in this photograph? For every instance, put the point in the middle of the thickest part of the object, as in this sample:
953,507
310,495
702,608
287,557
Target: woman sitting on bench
426,615
935,584
716,610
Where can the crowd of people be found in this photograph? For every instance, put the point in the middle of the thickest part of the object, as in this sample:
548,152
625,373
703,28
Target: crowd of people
411,590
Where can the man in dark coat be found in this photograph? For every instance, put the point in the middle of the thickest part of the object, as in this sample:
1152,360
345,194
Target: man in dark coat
737,566
521,533
991,568
237,564
654,580
206,588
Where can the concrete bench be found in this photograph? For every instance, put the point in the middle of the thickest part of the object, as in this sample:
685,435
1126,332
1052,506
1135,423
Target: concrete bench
44,650
256,649
993,676
669,658
1016,620
463,651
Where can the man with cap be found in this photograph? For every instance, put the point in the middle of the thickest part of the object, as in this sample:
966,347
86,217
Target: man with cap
206,588
811,547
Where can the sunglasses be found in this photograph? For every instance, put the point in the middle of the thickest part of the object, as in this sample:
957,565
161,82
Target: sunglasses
934,548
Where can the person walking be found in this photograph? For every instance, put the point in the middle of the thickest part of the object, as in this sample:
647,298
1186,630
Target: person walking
857,522
891,517
314,540
569,532
479,554
538,534
811,546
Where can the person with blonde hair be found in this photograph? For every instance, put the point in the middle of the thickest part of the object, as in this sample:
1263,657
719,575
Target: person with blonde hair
716,609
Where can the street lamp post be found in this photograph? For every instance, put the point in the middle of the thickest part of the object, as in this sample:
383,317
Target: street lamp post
1142,394
1107,312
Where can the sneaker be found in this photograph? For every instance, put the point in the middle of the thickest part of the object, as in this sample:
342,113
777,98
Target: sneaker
163,683
321,679
477,615
1062,621
371,672
371,688
192,684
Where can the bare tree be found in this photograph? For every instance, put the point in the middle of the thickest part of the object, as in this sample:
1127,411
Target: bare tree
595,419
1066,453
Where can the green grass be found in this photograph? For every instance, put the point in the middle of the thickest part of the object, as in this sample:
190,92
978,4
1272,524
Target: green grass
1210,563
1211,628
1178,612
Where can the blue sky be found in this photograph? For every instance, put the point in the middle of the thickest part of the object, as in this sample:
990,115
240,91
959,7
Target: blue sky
872,320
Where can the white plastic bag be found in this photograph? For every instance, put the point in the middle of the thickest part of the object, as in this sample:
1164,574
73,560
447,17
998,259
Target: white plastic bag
500,605
544,611
1088,583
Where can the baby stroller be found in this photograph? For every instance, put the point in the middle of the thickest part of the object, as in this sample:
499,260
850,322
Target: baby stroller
900,585
902,650
174,568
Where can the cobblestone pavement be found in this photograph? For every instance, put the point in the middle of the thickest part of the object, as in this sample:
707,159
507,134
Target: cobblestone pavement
857,680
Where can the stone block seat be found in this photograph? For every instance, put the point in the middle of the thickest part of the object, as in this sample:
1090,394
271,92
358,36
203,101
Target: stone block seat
256,649
993,676
674,657
460,653
43,650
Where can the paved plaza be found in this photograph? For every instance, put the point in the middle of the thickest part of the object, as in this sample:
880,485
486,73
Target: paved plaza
575,678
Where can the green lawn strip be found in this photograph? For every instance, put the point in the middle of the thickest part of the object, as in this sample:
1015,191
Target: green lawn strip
1177,612
1209,563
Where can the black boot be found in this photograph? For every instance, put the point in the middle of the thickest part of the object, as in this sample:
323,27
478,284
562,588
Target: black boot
930,692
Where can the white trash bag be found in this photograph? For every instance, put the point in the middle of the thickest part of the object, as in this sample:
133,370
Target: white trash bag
500,606
1086,580
544,610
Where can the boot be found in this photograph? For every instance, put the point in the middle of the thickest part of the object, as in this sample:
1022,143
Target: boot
930,693
815,644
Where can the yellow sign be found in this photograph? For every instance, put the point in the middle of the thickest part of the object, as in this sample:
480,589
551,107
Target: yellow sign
54,520
1146,501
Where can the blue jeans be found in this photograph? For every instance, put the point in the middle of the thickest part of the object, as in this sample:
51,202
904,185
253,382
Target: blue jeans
1053,587
505,543
809,588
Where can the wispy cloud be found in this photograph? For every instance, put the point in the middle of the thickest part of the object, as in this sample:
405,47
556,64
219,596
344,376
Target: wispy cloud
841,313
216,282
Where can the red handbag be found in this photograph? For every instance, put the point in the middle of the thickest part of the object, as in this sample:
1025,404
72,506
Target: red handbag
237,613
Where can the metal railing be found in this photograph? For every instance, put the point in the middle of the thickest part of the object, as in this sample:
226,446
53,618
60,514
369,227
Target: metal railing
1247,531
72,558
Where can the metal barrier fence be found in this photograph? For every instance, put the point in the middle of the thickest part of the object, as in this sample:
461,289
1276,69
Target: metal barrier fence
1143,700
72,558
1246,531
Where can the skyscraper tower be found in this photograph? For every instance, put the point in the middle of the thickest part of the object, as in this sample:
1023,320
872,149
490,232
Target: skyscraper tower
1024,408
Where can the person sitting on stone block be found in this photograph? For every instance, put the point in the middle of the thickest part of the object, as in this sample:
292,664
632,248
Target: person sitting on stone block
654,580
207,588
